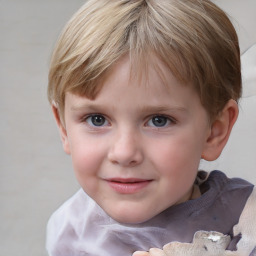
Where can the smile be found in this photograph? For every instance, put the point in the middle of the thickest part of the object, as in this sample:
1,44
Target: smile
128,186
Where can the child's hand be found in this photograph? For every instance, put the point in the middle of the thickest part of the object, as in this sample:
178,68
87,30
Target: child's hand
140,253
152,252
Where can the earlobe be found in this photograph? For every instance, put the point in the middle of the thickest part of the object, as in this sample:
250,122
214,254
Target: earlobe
62,129
220,131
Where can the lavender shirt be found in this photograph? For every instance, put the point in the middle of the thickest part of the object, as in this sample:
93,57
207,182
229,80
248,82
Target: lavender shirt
80,227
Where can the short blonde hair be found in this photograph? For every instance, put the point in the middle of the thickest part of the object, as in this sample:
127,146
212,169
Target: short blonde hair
194,38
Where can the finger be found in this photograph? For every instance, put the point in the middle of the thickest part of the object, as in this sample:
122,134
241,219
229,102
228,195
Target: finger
140,253
156,252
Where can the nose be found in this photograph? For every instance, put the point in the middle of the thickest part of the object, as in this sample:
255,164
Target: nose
126,149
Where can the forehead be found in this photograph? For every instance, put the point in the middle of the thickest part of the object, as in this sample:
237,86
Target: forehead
151,72
156,87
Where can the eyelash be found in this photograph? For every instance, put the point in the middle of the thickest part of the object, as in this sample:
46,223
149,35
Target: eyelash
167,122
150,123
89,120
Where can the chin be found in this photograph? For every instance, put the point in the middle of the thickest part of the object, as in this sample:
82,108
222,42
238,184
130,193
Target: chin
130,217
129,220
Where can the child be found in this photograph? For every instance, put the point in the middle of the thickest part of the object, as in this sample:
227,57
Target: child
142,90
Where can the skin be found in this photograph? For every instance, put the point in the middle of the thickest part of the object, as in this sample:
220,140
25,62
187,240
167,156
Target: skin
136,147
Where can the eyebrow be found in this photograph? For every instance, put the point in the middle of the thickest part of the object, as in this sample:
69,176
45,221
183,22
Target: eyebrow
162,108
145,109
90,107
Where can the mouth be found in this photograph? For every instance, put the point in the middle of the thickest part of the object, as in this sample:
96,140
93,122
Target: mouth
128,186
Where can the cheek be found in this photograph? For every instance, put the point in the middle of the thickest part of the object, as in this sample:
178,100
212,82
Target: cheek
176,165
177,154
87,157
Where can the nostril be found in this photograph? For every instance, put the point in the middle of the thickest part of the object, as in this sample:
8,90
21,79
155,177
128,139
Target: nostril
125,150
133,162
125,158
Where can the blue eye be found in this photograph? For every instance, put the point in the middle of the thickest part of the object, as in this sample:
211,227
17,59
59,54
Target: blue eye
159,121
97,120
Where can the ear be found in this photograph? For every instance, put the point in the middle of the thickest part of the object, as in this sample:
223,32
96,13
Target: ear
62,129
220,131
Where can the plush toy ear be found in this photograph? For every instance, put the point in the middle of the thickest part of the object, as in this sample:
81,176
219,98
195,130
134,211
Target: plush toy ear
62,129
220,131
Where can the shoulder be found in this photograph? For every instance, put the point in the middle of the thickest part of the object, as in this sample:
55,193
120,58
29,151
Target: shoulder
73,206
65,223
219,179
239,196
246,227
216,187
217,184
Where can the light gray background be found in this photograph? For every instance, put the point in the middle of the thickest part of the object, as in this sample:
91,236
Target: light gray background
35,175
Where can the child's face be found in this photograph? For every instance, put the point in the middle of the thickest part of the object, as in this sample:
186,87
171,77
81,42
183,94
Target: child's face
136,147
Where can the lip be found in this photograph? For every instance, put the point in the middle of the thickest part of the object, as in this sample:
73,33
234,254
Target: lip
128,186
